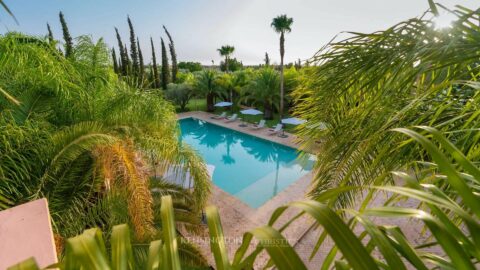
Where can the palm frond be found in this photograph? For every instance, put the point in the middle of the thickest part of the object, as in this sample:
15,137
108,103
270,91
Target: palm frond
410,74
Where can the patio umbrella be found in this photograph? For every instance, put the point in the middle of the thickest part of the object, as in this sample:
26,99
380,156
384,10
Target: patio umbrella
223,104
291,121
250,112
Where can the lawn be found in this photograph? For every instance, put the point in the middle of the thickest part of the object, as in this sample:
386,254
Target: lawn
201,105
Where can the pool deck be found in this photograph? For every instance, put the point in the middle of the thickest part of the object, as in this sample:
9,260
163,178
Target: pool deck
237,217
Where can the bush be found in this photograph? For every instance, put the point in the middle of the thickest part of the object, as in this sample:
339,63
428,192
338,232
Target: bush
179,94
190,66
233,65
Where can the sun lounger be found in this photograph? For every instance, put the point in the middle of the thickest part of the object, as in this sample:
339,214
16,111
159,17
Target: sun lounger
221,116
232,118
260,124
276,130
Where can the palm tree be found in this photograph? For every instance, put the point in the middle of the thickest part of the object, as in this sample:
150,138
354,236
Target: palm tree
226,51
233,83
362,87
84,140
226,83
282,24
262,90
206,85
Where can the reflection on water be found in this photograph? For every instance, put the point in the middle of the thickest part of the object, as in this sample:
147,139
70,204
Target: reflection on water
252,169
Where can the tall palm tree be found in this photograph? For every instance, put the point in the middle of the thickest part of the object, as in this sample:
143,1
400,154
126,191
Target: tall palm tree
226,51
282,24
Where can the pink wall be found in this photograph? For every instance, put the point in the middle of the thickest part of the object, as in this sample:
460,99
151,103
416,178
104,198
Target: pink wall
26,231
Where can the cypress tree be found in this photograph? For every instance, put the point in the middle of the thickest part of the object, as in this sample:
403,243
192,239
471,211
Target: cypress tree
165,71
66,36
123,55
173,55
156,79
128,62
152,78
115,63
141,69
298,65
133,49
51,40
267,60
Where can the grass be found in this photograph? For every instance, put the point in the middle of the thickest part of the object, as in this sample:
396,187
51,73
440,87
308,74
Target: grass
201,105
198,104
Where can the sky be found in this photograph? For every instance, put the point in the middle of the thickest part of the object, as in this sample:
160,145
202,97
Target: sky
199,27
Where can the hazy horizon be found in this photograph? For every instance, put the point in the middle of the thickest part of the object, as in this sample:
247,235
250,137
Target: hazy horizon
200,27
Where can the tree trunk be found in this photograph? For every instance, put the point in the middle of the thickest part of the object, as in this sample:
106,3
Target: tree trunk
267,110
183,104
210,107
231,91
226,64
282,53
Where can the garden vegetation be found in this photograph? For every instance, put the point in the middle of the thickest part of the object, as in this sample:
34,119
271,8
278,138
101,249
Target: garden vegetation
395,113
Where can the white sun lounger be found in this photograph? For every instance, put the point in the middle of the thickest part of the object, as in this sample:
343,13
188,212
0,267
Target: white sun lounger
221,116
232,118
180,176
260,124
276,130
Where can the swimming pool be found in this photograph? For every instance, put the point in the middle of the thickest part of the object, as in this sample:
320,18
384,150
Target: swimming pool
252,169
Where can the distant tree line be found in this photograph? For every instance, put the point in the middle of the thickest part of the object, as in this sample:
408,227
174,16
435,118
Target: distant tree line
236,83
190,66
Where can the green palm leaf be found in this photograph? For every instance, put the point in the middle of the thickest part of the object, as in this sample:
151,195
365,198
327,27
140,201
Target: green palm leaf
84,252
282,254
217,245
171,258
122,255
29,264
155,256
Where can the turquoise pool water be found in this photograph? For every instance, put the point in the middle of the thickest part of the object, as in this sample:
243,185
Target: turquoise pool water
252,169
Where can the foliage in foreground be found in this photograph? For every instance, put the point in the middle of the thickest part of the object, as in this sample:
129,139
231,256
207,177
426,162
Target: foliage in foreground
361,87
73,133
445,191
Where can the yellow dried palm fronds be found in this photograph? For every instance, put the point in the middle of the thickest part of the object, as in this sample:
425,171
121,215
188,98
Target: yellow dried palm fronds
124,172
